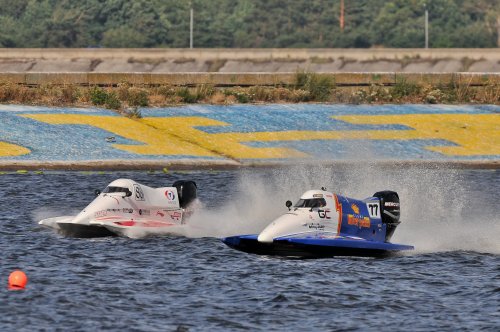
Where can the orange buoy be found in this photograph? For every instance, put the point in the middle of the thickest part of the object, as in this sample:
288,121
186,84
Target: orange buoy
18,280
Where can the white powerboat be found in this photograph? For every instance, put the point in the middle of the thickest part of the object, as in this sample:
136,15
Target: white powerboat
128,208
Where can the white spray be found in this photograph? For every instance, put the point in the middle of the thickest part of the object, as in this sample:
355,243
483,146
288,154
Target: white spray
437,211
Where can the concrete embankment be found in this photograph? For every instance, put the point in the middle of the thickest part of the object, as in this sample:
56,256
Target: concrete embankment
181,165
249,60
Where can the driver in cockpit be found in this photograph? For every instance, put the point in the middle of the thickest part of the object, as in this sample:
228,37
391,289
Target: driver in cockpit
318,203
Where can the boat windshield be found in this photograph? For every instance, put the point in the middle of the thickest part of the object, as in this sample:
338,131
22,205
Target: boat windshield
115,190
310,203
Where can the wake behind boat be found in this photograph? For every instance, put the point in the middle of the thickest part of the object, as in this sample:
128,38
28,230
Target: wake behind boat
128,208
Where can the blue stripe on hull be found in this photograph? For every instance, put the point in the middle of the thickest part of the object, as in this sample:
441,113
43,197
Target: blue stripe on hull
314,248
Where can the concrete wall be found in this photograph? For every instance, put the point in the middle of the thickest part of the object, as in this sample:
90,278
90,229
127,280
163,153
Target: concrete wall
249,60
253,53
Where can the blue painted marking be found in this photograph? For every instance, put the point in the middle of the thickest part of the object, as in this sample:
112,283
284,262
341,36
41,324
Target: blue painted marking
314,117
81,142
49,142
364,149
21,109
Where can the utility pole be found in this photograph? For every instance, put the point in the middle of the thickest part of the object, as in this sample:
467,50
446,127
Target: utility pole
191,28
498,30
341,15
426,27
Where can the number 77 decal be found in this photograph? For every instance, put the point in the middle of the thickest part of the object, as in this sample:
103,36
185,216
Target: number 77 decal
373,209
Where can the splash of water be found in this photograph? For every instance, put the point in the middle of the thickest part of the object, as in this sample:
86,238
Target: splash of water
441,209
47,212
438,210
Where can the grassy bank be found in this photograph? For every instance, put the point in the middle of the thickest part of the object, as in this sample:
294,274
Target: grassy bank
308,87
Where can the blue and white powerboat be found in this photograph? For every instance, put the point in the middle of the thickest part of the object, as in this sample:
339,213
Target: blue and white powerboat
323,224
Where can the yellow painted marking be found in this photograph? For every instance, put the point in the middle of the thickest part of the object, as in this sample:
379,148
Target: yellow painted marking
155,142
227,144
12,150
476,134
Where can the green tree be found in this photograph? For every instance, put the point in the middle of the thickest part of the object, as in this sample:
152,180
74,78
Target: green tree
247,23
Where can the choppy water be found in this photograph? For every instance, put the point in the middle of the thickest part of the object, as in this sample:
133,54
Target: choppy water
165,283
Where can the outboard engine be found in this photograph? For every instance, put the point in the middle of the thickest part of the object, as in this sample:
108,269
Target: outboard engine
389,202
186,191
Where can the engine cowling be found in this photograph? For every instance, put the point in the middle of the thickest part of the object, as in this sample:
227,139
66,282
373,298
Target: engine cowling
390,208
187,191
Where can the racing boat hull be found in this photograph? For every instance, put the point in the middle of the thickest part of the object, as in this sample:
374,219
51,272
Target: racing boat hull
83,231
127,208
314,248
324,224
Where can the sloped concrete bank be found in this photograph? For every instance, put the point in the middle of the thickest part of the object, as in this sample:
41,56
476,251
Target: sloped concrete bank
249,60
220,137
162,166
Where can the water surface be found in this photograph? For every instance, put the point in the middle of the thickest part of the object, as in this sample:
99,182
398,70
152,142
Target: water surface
451,281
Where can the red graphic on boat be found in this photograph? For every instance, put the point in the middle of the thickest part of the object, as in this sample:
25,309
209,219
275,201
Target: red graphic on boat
170,195
176,215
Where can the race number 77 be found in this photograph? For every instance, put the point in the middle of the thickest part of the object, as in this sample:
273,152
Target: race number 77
373,209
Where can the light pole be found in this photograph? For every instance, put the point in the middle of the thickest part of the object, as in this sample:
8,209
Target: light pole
191,28
498,30
426,26
341,15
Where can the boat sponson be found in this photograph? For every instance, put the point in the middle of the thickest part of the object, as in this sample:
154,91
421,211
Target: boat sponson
311,248
83,231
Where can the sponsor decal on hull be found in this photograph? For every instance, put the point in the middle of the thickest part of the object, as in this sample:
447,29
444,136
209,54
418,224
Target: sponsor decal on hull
357,220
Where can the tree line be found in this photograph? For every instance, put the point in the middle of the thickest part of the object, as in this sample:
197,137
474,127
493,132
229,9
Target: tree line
248,23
